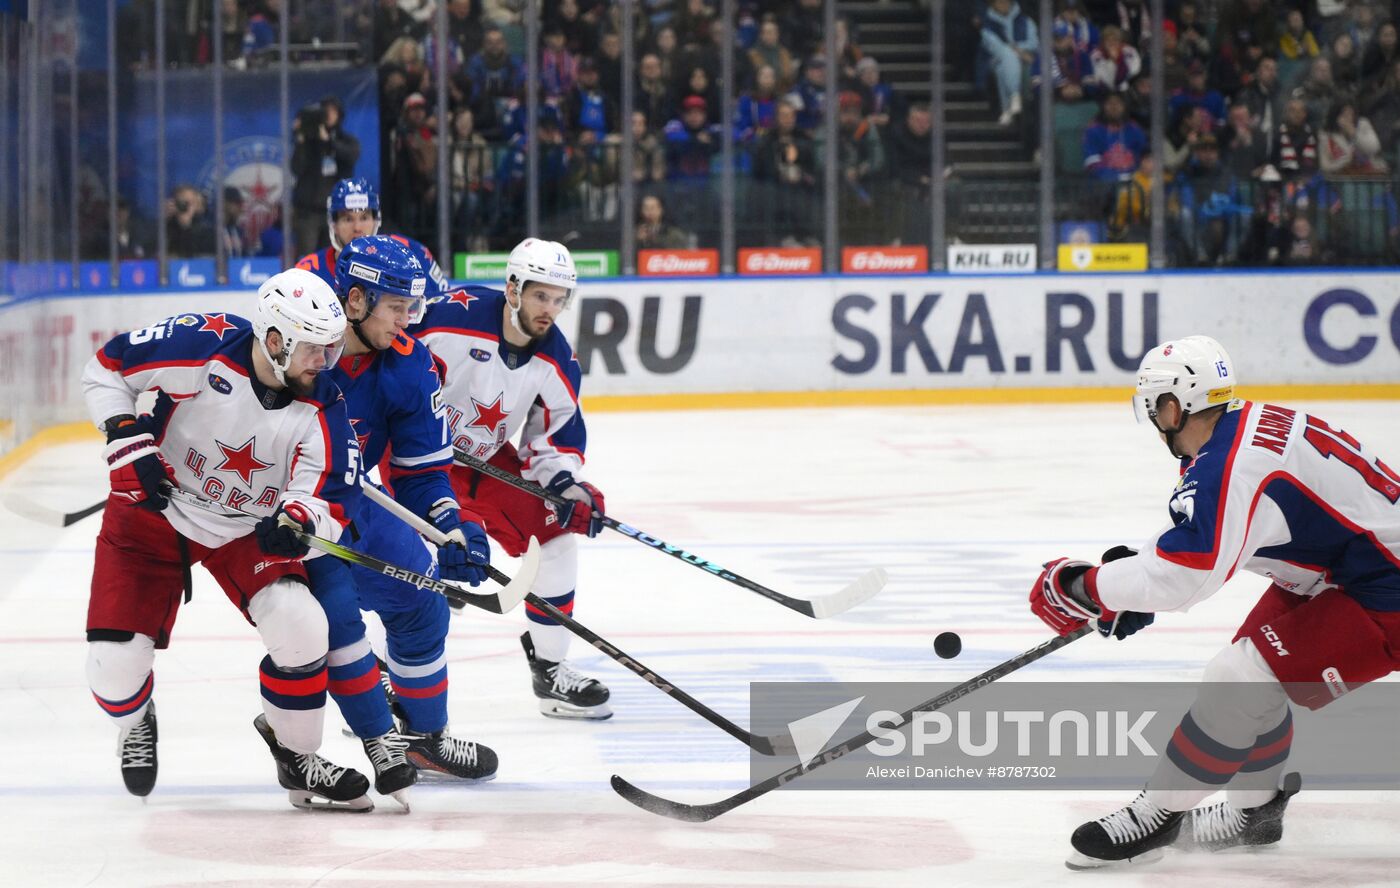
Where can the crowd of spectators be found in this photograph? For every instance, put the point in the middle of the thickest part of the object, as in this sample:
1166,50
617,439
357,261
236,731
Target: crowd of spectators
677,119
1274,105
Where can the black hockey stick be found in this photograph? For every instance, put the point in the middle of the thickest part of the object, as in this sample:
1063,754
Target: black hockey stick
504,601
701,813
819,608
762,745
44,515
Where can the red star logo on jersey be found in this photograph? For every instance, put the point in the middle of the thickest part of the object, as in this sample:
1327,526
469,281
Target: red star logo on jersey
241,460
362,440
217,324
462,298
488,416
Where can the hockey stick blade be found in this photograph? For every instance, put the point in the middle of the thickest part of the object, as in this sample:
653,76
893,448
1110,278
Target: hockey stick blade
34,511
667,808
701,813
862,590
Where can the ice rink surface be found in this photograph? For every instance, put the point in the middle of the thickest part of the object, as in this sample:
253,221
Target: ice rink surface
961,505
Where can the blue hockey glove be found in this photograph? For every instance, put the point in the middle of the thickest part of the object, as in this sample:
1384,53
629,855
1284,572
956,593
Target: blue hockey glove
586,520
466,554
278,533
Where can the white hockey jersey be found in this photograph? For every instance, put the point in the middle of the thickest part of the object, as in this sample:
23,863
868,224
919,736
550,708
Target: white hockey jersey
494,391
229,438
1278,493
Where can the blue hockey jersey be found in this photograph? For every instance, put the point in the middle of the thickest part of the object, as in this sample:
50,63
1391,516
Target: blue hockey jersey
322,264
396,406
1278,493
230,438
494,390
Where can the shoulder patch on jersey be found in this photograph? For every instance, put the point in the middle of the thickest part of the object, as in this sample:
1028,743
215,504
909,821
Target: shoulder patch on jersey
219,384
480,354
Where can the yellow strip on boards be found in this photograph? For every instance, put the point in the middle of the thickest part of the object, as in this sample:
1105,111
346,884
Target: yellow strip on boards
49,437
968,396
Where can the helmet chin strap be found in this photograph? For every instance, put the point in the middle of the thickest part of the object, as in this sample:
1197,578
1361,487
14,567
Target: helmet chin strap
279,368
1172,433
355,322
515,309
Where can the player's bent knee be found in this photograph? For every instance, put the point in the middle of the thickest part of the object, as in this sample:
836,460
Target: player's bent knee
292,624
117,669
1240,662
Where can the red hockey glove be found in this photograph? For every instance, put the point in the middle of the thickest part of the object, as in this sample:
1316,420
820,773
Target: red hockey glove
1064,599
137,469
584,514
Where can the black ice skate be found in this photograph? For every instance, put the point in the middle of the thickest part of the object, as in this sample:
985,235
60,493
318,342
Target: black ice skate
136,747
563,693
1222,825
440,755
1135,834
393,773
312,782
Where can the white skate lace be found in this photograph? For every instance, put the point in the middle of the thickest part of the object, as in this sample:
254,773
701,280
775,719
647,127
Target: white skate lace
566,680
1133,822
319,772
386,751
459,752
1219,821
135,746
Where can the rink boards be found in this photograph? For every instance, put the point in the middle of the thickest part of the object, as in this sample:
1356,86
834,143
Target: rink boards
713,342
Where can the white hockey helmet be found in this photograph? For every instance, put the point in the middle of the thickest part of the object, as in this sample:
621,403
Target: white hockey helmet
1194,369
304,309
546,262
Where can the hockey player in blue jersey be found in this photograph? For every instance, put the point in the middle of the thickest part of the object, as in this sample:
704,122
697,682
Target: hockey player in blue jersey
352,211
1268,490
395,406
246,417
508,369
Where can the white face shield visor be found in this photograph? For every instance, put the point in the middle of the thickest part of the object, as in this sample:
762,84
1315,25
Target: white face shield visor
402,310
1151,385
305,355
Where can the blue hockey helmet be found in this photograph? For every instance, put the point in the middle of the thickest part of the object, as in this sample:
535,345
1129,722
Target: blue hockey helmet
351,194
382,266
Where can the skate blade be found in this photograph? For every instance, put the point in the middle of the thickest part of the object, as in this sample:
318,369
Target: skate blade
1079,862
308,801
402,798
560,709
429,774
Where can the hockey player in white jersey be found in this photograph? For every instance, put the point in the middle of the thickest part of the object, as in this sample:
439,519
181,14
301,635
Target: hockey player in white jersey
1274,492
507,369
245,418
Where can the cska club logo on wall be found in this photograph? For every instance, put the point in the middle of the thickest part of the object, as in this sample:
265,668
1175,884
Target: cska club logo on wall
253,166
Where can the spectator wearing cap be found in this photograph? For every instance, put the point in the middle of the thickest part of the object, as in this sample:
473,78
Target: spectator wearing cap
1010,40
1297,42
769,51
1115,62
1082,31
809,96
558,67
877,98
1113,144
413,168
1198,95
1295,146
691,141
1071,69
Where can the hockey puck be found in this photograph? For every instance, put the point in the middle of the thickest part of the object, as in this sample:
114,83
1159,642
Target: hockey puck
947,645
